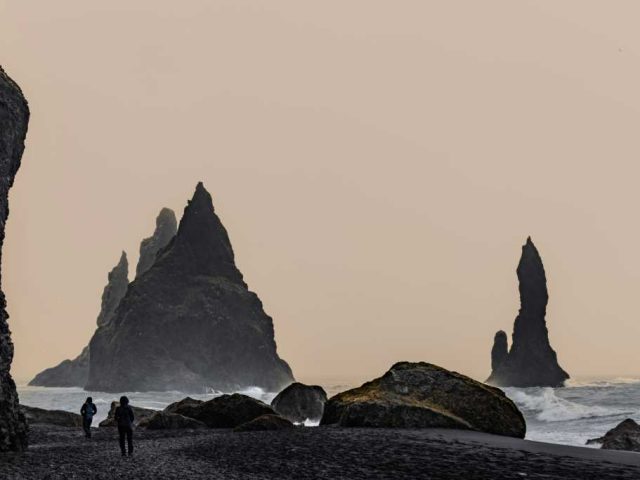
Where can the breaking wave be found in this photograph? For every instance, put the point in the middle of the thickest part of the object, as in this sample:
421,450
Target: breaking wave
546,406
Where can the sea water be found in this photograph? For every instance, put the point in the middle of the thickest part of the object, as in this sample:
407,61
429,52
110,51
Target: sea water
570,415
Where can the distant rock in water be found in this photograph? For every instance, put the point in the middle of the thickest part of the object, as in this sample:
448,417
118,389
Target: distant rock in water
75,373
68,373
500,349
625,436
118,281
189,323
166,228
14,120
422,395
531,362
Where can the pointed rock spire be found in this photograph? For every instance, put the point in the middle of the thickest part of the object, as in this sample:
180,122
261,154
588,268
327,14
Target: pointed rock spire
531,362
118,281
189,323
166,227
500,349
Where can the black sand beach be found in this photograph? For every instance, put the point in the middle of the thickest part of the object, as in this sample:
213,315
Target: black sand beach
309,453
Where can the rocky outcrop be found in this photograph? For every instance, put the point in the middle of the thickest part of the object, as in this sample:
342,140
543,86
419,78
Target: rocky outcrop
185,407
265,423
500,349
189,323
170,421
139,415
14,119
625,436
226,411
166,228
531,362
299,402
117,283
68,373
75,373
422,395
60,418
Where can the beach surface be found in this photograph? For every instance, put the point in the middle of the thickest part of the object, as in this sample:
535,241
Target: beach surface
309,453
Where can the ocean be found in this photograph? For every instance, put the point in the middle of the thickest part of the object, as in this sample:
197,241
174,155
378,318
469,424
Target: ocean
571,415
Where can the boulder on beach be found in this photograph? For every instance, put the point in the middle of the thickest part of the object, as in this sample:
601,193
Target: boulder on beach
189,322
265,423
60,418
531,362
14,120
139,414
422,395
299,402
226,411
169,421
184,407
625,436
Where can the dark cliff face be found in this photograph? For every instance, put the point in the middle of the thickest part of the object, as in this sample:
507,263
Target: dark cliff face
531,362
117,283
189,322
166,227
75,373
14,119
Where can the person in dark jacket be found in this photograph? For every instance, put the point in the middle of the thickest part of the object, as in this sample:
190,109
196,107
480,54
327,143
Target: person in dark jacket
87,411
124,419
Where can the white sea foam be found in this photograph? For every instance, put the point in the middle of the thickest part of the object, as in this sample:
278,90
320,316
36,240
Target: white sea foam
546,406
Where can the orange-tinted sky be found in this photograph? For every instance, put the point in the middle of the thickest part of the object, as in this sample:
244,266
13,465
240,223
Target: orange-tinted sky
377,164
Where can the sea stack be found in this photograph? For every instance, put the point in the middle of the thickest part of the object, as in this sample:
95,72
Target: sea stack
189,323
166,228
531,362
14,120
75,373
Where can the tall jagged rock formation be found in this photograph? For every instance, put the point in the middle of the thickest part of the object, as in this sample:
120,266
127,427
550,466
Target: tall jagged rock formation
14,120
75,373
500,349
189,323
166,228
117,283
531,362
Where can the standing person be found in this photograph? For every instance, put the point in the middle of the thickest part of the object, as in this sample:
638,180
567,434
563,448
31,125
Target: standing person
124,419
87,411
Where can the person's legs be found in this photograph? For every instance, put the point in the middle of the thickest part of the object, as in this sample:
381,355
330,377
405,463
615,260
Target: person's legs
121,434
85,426
129,440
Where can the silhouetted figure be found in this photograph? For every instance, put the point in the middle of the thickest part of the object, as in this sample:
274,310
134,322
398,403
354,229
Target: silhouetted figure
87,411
124,419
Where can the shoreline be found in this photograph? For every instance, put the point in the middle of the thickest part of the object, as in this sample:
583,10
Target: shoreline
309,453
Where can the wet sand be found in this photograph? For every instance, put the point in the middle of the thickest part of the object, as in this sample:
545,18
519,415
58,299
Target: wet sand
309,453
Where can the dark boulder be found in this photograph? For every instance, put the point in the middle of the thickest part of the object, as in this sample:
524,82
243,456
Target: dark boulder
265,423
75,373
531,362
189,323
422,395
299,402
14,119
169,421
60,418
139,415
625,436
185,407
166,228
229,411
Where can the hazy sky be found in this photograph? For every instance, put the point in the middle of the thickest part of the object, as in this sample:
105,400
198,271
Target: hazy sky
378,166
